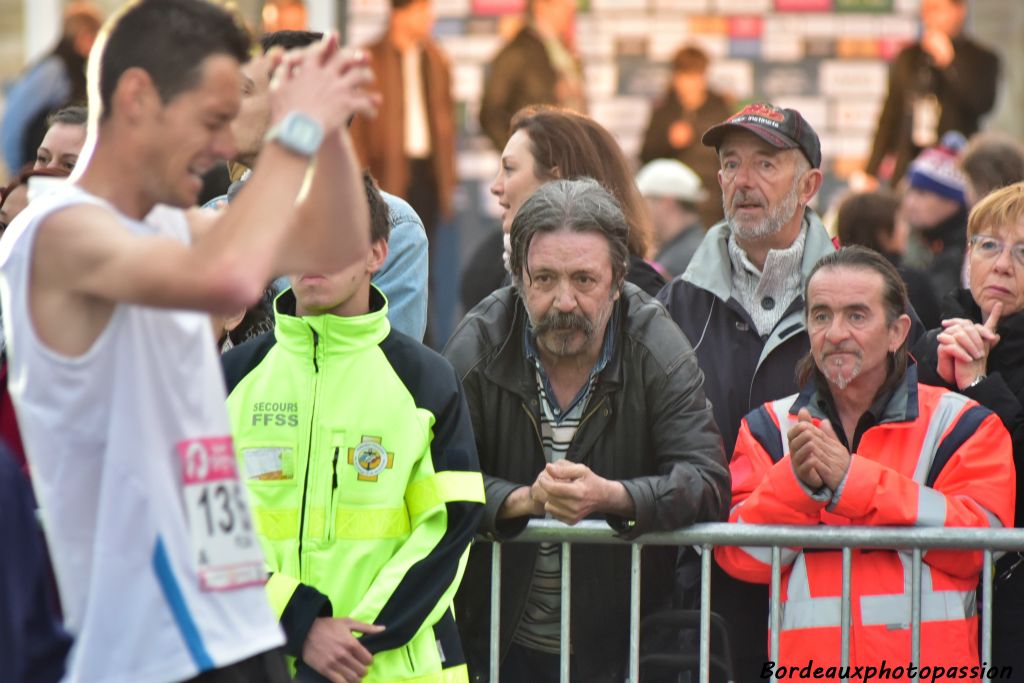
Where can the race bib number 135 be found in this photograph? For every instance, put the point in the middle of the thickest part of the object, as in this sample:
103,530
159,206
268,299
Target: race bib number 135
226,550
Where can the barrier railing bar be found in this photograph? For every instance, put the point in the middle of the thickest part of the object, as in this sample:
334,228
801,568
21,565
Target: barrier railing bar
767,535
708,535
775,601
563,645
705,613
915,611
986,607
634,615
495,611
844,637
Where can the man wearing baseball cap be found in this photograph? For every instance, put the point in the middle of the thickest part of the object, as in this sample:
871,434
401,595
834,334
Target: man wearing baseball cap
673,192
740,302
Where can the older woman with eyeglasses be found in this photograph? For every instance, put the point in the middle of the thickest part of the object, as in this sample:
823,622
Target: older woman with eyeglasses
979,351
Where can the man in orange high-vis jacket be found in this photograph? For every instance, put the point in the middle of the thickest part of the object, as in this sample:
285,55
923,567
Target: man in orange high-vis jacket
865,444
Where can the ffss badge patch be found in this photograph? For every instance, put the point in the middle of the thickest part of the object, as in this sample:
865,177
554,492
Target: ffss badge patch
370,458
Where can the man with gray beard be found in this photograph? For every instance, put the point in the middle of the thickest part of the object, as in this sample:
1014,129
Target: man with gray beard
586,402
740,302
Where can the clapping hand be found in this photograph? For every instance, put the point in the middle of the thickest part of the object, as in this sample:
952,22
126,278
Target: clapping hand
819,458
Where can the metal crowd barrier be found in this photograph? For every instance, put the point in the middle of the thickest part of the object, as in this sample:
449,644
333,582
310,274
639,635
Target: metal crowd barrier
707,536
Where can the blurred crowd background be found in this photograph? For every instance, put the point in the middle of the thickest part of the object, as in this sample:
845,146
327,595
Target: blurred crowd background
829,59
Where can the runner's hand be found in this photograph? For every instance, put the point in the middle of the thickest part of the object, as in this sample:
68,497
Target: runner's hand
323,81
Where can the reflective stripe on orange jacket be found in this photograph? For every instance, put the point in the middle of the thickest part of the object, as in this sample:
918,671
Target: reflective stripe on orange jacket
935,458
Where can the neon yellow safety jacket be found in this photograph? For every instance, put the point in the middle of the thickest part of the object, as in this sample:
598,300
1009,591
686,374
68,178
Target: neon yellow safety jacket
357,448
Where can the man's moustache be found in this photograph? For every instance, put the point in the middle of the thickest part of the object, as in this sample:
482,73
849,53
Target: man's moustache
563,321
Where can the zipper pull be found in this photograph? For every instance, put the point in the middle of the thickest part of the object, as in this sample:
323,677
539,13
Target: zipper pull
334,471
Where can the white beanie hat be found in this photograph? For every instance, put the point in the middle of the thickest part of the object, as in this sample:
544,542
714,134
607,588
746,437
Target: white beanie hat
670,178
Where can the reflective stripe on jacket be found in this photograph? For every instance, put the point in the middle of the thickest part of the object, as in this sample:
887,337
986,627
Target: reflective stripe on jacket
935,458
362,471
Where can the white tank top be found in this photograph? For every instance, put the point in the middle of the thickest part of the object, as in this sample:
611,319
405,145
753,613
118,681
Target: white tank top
160,575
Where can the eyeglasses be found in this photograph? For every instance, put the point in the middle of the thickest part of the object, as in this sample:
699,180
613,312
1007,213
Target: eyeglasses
990,248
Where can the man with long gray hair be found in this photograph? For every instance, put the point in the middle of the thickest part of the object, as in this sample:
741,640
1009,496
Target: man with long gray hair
587,402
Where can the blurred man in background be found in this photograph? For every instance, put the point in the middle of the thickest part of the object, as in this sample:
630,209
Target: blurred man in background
943,82
687,109
538,66
410,146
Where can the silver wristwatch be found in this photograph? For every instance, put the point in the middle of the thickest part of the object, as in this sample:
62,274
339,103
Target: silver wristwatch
298,133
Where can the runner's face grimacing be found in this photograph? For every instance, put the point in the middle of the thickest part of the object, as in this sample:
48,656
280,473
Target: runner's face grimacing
192,132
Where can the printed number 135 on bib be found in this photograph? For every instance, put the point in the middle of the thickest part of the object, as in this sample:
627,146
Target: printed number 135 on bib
226,551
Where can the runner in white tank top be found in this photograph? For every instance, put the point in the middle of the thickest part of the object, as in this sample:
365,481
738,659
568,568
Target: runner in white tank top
106,292
160,574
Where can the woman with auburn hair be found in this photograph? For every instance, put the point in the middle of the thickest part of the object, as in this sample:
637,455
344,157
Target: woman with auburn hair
979,352
549,143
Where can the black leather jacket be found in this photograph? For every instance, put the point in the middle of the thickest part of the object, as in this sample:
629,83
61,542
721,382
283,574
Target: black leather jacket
647,424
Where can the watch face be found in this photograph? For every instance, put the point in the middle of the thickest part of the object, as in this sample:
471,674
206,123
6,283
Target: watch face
300,133
305,133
